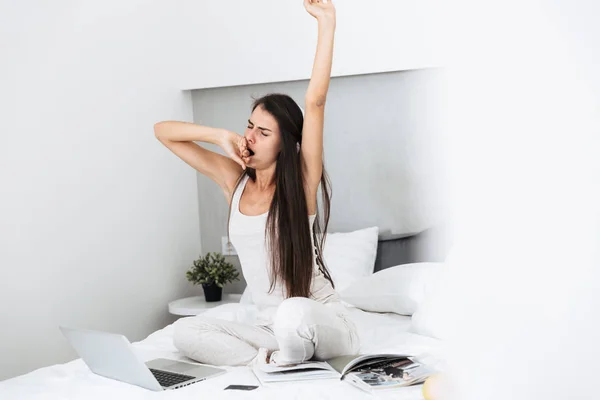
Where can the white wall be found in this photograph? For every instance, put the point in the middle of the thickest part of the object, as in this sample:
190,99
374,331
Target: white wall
98,221
274,40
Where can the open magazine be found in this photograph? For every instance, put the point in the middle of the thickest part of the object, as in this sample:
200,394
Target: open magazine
368,372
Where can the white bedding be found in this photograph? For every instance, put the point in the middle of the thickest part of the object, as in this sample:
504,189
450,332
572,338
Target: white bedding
73,380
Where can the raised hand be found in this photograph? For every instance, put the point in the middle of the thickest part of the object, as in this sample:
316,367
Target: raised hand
320,9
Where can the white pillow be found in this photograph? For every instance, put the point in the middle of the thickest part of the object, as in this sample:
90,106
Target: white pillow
434,315
350,256
398,289
430,318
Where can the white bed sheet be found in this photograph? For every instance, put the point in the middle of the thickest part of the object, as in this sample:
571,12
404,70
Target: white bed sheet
73,380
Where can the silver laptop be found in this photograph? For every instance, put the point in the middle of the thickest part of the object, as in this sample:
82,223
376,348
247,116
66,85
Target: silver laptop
112,356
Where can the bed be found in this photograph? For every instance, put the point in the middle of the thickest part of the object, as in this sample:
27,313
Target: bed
379,332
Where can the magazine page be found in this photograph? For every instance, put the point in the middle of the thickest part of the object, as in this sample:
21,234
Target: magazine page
388,374
340,363
368,359
373,381
299,372
374,361
307,365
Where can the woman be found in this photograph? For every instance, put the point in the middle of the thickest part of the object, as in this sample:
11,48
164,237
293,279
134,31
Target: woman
270,180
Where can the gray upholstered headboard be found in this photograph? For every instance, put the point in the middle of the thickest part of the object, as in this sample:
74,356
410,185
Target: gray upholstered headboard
408,248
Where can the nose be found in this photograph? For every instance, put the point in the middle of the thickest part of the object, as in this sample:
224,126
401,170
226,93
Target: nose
251,136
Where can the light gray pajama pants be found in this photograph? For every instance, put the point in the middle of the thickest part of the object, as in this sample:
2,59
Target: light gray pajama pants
302,329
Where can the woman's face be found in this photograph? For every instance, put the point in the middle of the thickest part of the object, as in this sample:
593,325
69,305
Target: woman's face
264,139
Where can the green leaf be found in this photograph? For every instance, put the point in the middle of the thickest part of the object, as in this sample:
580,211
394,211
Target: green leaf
212,268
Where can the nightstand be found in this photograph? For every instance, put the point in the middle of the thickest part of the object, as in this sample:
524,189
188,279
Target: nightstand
196,305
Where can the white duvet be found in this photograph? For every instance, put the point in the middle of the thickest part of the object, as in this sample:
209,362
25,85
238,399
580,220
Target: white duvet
378,333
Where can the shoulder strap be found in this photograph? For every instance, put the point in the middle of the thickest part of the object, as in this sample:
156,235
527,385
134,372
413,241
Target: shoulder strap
237,195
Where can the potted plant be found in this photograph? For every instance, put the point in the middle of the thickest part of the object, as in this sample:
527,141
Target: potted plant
212,272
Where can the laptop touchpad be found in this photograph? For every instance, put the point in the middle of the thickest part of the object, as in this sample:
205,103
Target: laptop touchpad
180,367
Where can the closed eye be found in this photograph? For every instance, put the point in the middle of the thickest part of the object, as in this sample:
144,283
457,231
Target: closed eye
251,126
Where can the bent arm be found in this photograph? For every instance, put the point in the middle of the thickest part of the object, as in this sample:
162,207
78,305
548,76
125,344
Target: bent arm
179,137
179,131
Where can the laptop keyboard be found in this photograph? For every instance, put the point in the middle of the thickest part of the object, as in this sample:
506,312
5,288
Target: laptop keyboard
167,379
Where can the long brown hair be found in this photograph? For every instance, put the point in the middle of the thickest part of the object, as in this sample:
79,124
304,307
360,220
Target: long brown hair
287,233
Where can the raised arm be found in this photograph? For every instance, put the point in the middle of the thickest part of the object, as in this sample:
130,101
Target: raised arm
179,137
311,151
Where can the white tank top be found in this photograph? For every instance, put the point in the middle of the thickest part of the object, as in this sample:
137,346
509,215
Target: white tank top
247,234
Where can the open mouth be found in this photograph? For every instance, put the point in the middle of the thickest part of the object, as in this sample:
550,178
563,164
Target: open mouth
251,152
